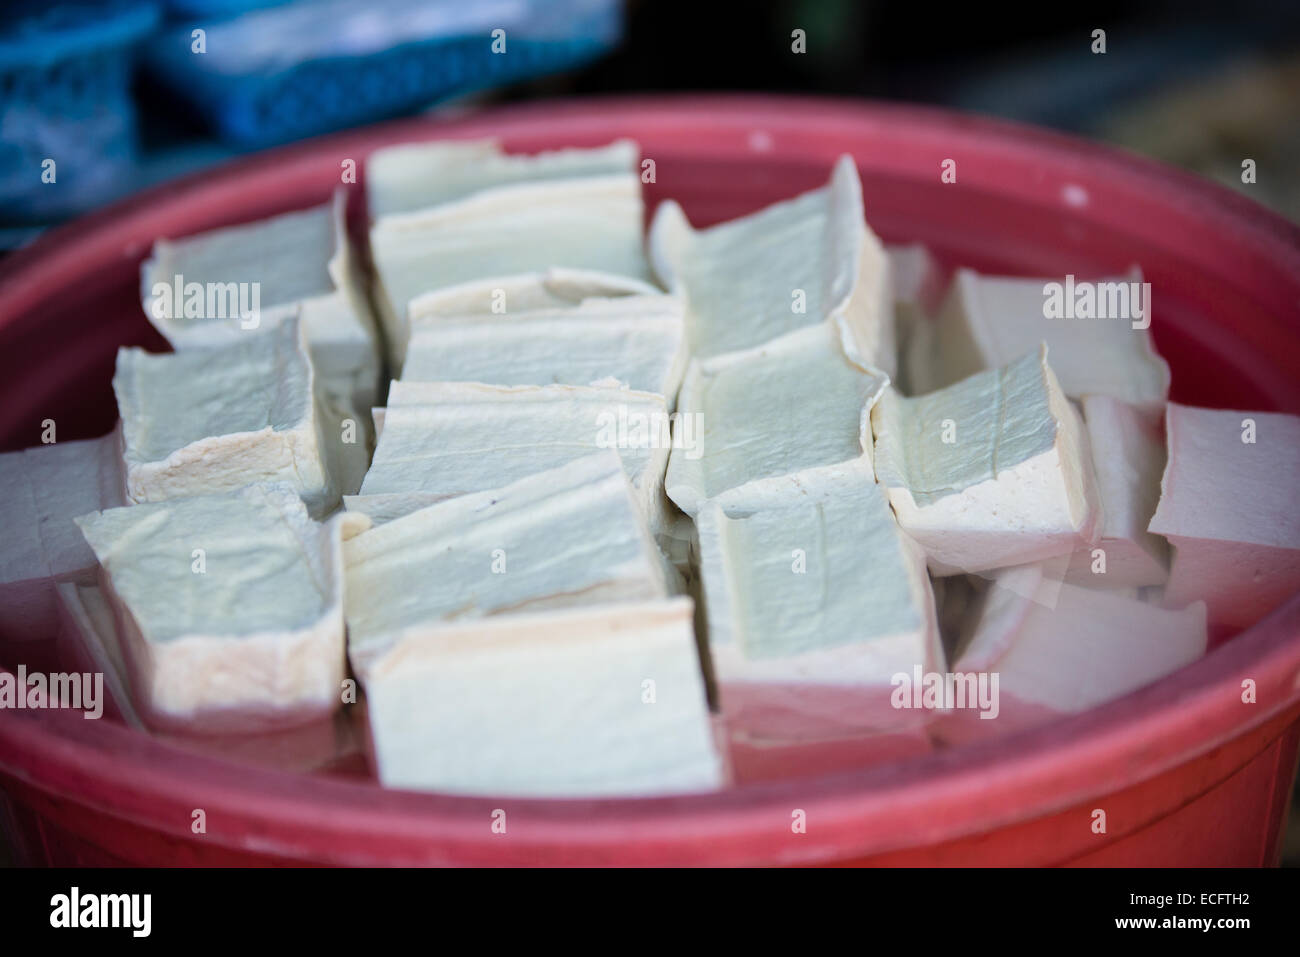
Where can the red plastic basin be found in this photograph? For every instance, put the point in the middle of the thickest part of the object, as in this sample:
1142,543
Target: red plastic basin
1186,772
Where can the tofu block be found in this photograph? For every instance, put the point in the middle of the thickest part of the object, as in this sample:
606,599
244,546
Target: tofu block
797,263
636,342
1078,650
1128,456
96,647
814,604
770,415
593,223
986,322
215,419
990,472
524,293
229,607
413,176
560,537
42,490
1230,506
598,701
302,266
449,438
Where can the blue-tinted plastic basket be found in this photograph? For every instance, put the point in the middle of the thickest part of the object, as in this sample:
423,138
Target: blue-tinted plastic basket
261,81
65,77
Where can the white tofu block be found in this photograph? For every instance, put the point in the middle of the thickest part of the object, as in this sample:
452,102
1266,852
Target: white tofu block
42,490
215,419
1080,649
793,406
1128,456
449,438
302,265
229,607
633,341
987,321
1230,506
88,621
797,263
592,224
579,702
814,604
990,472
565,536
413,176
524,293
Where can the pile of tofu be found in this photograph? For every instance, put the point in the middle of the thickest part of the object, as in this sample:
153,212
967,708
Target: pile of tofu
562,506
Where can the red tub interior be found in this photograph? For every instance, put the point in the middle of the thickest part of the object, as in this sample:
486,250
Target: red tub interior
1186,772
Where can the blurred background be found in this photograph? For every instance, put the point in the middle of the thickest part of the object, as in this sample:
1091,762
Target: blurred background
106,97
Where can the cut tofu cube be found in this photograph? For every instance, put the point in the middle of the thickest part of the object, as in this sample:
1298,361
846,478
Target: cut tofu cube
592,223
1066,651
413,176
524,293
1230,506
576,702
814,604
1128,456
215,419
632,341
800,262
768,416
448,438
568,535
229,607
301,265
42,490
986,322
96,647
990,472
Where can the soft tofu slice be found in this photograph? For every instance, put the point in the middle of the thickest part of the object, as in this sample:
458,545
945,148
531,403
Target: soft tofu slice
742,279
42,490
990,472
230,607
214,419
577,702
564,536
1067,650
814,604
633,341
760,419
525,293
986,321
413,176
1231,510
444,439
1127,448
303,266
593,223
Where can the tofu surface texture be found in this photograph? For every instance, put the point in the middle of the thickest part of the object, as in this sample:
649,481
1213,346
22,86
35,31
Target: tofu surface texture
799,262
211,420
1230,506
989,472
755,418
231,606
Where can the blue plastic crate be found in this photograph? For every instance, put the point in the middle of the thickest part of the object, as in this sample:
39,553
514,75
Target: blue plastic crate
318,65
65,74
